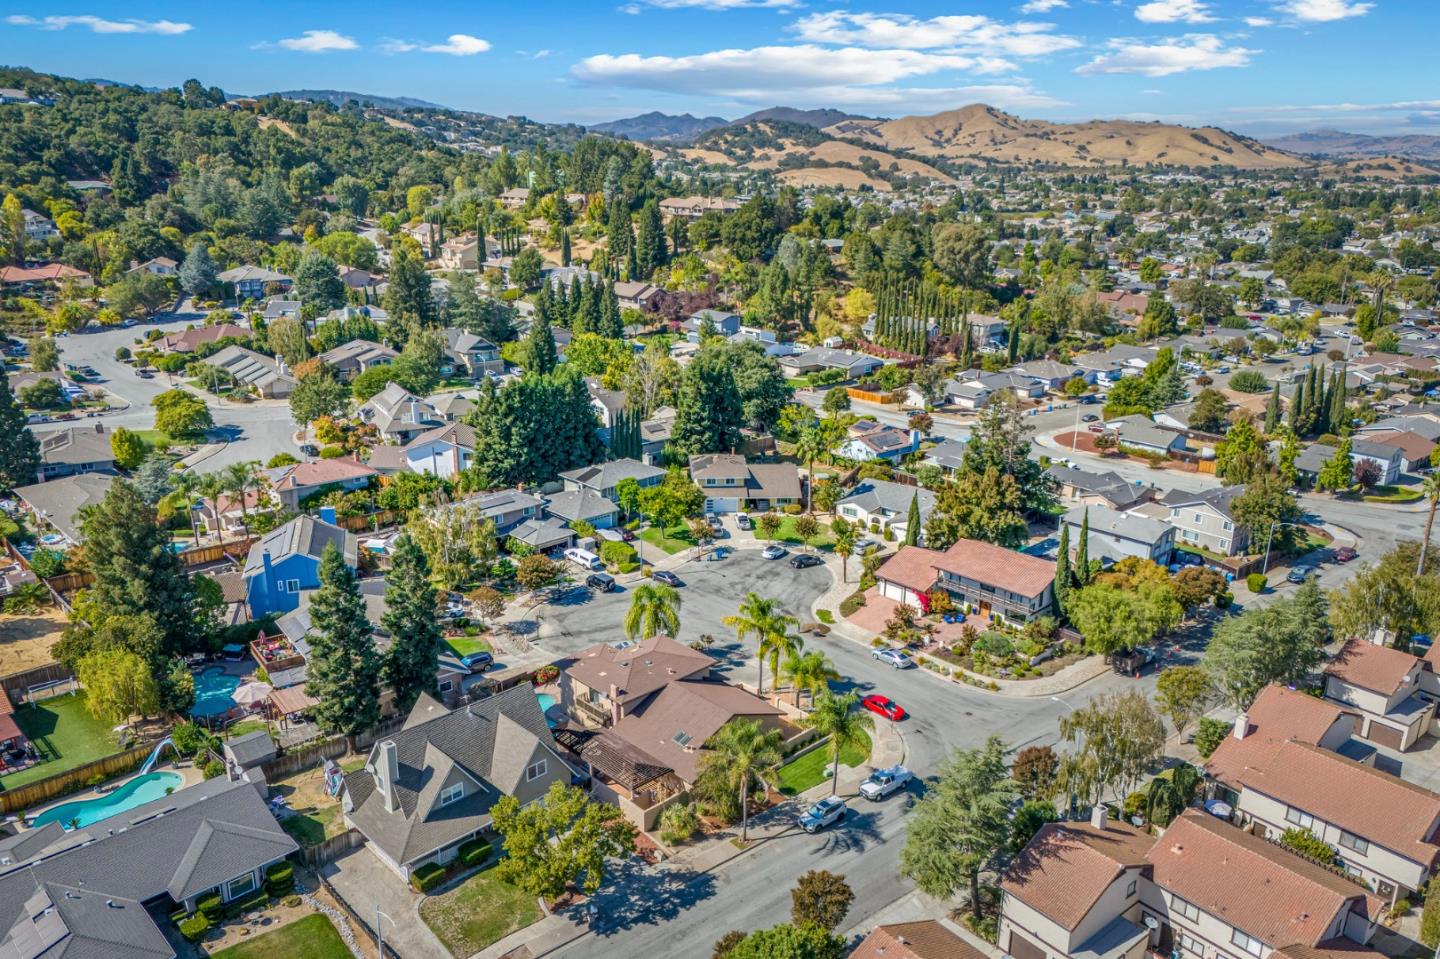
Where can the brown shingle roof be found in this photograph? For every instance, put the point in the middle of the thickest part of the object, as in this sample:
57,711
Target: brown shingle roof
637,670
913,567
925,939
1258,887
1329,949
986,563
674,725
321,472
1379,669
1277,716
1066,868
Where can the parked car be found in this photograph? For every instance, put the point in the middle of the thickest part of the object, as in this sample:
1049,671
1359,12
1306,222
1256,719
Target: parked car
773,551
1096,427
477,662
1299,574
1090,418
1345,554
627,535
309,449
744,521
666,577
884,706
883,782
714,523
826,812
601,582
893,657
145,374
805,560
866,545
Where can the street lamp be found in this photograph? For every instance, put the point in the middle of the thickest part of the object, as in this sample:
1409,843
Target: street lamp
1269,536
380,933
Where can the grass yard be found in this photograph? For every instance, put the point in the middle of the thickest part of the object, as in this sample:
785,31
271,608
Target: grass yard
824,540
809,770
315,816
465,645
65,733
480,911
313,937
1394,494
662,539
155,438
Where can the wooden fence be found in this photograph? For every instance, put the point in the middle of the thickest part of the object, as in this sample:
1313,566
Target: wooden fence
869,396
314,752
17,685
43,790
332,848
371,521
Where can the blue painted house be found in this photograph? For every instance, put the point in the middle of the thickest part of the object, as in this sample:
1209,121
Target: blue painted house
286,561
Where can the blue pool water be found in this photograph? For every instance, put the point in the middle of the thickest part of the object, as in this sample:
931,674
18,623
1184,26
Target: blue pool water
212,692
87,812
546,701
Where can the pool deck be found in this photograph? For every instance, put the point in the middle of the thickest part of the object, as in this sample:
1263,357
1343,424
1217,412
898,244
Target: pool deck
187,769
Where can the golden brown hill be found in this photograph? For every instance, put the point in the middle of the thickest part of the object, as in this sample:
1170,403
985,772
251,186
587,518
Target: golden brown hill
1378,168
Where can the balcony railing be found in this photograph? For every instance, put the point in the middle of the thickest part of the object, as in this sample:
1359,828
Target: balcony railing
594,711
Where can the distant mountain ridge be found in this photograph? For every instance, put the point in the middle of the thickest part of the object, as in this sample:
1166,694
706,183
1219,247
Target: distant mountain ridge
659,126
819,119
339,98
1337,143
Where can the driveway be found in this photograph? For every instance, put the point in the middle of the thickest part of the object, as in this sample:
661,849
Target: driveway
367,884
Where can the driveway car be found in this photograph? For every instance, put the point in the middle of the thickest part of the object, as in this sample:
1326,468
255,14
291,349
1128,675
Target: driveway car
477,662
883,782
601,582
1345,554
805,560
744,521
773,551
893,657
866,545
884,706
666,577
627,535
826,812
1299,574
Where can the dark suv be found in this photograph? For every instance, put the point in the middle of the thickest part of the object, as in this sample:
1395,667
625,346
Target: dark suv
600,582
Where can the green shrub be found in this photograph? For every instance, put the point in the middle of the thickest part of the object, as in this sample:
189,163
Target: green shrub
1209,734
427,877
994,644
850,603
616,554
474,852
255,900
332,452
210,906
1249,381
1430,916
825,616
194,928
1306,843
678,824
1135,803
213,769
280,879
792,509
1255,582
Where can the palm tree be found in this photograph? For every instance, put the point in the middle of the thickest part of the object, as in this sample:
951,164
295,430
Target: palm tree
844,547
654,611
736,755
1432,493
811,672
186,484
211,486
810,446
836,717
241,480
1169,796
761,618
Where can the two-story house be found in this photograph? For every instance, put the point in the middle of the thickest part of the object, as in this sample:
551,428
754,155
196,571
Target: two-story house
398,414
1113,535
472,355
1082,487
732,484
880,505
603,478
1393,692
349,360
982,577
254,282
868,440
1205,518
74,450
446,450
507,508
286,561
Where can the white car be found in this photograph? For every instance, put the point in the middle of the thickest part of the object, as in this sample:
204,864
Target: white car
773,552
893,657
866,545
883,782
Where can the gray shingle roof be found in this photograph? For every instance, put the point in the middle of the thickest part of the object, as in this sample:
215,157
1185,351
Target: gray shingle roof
875,495
606,475
251,749
579,504
302,535
76,445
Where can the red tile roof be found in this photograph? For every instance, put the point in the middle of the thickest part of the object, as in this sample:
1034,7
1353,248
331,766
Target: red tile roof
1067,867
39,274
1256,886
321,472
1379,669
997,566
925,939
913,567
1277,716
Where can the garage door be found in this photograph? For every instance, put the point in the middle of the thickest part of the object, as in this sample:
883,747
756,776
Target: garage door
1022,948
1385,735
721,505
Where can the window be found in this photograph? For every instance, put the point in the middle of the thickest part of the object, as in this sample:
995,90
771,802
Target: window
236,888
1225,526
451,794
292,585
1184,908
1197,519
535,770
1352,841
1190,944
446,686
1175,513
1248,943
1225,544
1130,889
1301,819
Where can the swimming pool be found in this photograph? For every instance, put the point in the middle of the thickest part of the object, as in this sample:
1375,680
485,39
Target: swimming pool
87,812
546,701
212,692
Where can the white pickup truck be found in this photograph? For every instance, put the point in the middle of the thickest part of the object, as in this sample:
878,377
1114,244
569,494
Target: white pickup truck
883,782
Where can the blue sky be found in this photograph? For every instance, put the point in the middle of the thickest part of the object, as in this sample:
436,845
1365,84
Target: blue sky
1261,66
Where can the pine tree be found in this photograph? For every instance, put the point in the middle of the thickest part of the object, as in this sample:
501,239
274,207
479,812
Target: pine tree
564,247
1337,401
1297,409
19,449
1062,568
1014,341
411,661
1082,550
537,353
1273,410
912,521
343,669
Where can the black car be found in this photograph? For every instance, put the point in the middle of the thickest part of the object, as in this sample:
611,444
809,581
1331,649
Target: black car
600,582
805,560
309,449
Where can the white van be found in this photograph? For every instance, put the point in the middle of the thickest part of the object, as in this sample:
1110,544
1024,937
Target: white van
584,559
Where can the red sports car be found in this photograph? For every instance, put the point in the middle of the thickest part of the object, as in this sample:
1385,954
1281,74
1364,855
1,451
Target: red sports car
884,706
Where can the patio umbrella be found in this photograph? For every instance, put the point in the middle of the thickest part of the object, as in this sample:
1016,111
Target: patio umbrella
251,694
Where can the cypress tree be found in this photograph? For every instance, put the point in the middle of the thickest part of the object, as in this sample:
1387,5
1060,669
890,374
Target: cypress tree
412,659
1062,569
1082,550
1014,340
19,449
564,247
912,521
537,354
1273,410
1337,401
1297,405
343,671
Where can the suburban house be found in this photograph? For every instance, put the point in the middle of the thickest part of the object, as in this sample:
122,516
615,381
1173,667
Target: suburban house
461,253
1202,890
1205,519
1138,432
1390,460
633,295
547,534
429,788
583,505
694,207
38,226
446,450
1115,535
970,395
1393,692
607,404
188,341
349,360
227,515
425,234
723,323
655,433
1052,374
263,374
732,484
880,505
1415,450
254,282
398,414
44,274
949,455
1279,715
58,503
278,308
471,355
870,440
922,939
514,198
604,477
85,892
506,508
286,561
852,364
1020,385
294,483
1082,487
987,579
76,449
156,265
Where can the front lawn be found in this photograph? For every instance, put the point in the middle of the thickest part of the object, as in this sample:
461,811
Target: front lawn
480,911
1394,494
463,646
662,539
824,540
314,937
809,770
65,733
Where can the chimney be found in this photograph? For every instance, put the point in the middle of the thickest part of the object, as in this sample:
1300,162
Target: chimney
1242,726
1100,816
614,704
387,770
327,514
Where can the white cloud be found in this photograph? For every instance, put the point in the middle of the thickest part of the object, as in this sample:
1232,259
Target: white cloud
1258,21
1174,11
459,45
1043,6
1196,51
1324,11
771,72
319,41
100,24
391,45
902,31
